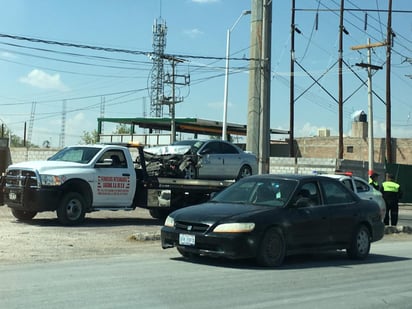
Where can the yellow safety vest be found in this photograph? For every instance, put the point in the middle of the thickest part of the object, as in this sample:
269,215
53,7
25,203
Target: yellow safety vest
390,186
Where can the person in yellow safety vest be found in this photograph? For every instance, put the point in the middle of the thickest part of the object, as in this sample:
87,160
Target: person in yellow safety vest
391,192
373,180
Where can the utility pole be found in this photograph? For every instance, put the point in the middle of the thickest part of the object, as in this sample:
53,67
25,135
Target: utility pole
171,101
340,81
253,115
264,141
292,84
369,66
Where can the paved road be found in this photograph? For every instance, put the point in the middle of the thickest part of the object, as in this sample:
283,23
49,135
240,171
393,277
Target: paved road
156,278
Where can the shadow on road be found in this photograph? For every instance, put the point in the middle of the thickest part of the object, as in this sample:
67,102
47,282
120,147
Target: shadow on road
301,261
96,222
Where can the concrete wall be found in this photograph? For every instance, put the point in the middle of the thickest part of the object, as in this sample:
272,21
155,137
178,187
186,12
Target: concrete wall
279,165
354,148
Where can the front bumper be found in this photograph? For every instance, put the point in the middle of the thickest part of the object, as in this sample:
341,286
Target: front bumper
378,231
32,199
229,245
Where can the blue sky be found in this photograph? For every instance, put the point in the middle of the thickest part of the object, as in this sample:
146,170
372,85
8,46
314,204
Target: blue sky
82,78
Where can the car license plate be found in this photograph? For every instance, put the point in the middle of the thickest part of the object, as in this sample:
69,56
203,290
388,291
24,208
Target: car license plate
186,239
12,196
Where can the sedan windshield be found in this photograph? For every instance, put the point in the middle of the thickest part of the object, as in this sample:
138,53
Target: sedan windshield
194,143
258,191
75,154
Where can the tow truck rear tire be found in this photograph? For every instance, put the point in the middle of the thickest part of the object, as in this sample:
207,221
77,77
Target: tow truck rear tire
23,215
160,214
71,210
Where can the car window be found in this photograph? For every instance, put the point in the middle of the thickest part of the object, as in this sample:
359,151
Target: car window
194,143
361,186
229,149
264,192
117,156
335,193
307,195
212,148
75,154
348,183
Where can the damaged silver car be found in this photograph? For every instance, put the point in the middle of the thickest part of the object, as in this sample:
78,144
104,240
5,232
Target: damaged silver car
200,159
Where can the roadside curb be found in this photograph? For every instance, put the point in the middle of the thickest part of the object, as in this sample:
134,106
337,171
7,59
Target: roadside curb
398,229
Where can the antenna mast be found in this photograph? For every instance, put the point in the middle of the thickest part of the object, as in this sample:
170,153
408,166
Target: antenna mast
157,78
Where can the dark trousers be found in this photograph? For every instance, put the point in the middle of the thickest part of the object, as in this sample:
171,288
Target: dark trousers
392,211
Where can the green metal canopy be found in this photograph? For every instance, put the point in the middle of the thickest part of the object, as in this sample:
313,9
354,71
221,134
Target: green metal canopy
186,125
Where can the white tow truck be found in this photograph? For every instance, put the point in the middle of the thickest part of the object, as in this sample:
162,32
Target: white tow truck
82,179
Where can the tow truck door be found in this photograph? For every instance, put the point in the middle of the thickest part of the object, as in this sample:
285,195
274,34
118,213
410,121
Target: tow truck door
114,184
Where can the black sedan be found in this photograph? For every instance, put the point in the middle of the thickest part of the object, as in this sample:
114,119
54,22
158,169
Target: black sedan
268,217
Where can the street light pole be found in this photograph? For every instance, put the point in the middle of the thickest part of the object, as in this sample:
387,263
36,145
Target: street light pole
226,93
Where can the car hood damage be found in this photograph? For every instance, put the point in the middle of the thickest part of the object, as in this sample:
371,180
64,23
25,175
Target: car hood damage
169,161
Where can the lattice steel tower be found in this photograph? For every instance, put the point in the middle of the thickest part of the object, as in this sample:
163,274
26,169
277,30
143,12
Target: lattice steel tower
157,76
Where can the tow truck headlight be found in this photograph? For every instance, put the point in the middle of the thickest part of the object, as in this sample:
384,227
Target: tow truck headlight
170,222
234,228
51,180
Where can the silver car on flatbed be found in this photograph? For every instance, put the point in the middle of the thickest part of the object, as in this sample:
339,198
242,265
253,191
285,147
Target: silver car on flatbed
200,159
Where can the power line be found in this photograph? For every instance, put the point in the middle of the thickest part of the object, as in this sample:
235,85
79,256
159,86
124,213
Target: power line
116,50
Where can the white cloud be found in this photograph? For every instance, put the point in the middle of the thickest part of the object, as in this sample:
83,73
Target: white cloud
8,55
193,33
307,129
40,79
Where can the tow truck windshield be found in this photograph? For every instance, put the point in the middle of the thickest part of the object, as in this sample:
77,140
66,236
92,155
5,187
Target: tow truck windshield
75,154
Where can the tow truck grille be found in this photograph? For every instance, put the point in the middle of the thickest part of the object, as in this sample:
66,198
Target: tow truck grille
193,227
21,179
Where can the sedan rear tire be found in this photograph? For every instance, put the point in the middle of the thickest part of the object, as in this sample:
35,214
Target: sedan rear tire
360,244
272,249
244,171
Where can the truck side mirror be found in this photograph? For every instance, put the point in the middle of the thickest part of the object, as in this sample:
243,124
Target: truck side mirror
105,163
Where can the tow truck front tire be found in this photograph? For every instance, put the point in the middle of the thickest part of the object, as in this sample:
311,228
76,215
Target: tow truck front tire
71,210
23,215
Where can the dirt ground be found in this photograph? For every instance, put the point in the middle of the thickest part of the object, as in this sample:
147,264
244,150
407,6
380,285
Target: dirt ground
103,233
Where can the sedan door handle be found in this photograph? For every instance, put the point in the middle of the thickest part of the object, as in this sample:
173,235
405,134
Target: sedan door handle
125,174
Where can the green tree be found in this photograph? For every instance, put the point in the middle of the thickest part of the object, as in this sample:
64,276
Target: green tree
15,140
122,129
89,137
